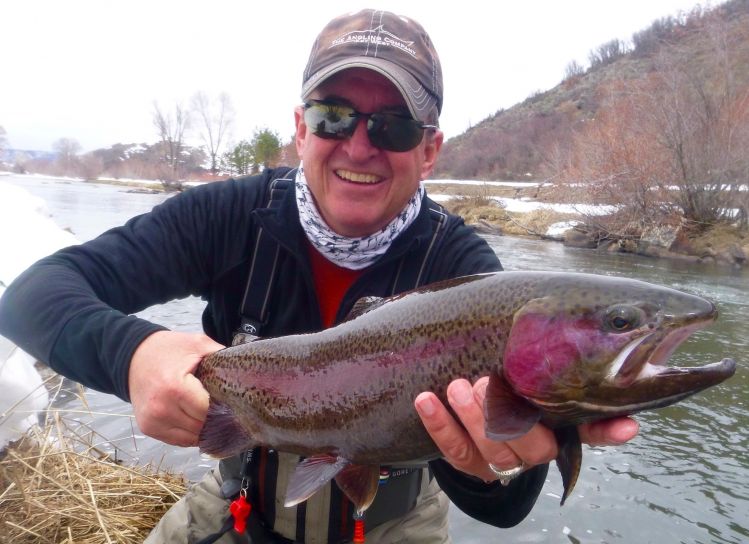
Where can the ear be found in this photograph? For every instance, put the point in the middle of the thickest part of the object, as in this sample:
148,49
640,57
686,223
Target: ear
300,137
431,152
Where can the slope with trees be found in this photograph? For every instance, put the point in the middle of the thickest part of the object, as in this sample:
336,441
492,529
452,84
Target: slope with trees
660,130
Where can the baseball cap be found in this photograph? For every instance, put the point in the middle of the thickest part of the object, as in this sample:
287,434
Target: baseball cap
393,45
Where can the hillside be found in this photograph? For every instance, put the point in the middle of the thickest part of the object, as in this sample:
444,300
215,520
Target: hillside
533,140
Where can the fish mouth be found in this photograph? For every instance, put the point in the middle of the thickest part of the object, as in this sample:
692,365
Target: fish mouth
639,379
647,355
643,380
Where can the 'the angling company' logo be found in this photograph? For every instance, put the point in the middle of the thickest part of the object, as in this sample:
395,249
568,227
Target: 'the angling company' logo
377,37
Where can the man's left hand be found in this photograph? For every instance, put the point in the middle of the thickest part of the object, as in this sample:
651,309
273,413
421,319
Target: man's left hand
467,448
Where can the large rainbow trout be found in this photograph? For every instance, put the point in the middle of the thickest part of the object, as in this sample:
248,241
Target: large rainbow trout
558,348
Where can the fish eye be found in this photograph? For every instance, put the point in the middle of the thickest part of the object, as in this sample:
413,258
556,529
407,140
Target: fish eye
623,318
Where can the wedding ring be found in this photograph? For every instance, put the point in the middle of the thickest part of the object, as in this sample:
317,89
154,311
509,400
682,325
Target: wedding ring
506,476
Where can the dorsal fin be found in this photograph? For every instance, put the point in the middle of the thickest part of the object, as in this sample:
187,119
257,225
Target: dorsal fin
364,305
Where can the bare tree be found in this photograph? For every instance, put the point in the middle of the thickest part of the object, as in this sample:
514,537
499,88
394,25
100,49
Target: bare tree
701,118
3,141
67,161
91,166
171,130
216,119
671,147
573,69
607,53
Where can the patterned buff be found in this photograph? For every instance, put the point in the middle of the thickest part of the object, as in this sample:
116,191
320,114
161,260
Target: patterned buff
351,253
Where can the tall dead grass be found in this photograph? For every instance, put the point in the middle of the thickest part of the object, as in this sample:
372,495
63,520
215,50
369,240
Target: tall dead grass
58,486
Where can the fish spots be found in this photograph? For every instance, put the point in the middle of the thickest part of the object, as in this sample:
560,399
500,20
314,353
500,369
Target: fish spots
352,387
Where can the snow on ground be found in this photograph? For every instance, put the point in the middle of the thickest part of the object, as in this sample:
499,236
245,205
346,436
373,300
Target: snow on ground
490,183
27,231
524,206
23,394
557,230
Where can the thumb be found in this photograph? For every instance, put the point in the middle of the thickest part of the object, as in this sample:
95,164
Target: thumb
195,398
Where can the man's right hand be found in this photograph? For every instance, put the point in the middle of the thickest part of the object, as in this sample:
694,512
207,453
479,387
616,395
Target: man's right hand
169,402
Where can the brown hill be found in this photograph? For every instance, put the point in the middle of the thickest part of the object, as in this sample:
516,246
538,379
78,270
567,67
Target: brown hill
535,139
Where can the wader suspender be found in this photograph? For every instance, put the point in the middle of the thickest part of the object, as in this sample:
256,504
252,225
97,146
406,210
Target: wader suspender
254,307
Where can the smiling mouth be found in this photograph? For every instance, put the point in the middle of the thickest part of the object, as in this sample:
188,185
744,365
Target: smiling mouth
358,177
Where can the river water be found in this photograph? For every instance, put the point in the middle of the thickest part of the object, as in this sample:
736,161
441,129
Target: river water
685,478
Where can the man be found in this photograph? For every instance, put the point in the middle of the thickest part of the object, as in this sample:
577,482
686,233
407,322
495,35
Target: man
291,257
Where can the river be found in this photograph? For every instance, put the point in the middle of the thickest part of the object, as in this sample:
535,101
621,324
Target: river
685,478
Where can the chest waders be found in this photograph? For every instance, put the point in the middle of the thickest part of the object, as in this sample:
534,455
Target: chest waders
263,473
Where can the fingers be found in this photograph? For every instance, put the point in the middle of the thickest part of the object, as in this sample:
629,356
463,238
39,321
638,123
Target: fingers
464,443
609,432
452,440
194,399
535,447
469,410
169,402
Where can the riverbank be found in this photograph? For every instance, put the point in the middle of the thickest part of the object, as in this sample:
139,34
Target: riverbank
529,210
536,210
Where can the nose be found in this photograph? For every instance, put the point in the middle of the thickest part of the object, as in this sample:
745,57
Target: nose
358,147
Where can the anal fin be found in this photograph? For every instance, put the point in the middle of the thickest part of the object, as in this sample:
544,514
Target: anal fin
359,483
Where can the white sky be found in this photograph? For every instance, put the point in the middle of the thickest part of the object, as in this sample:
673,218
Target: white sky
91,70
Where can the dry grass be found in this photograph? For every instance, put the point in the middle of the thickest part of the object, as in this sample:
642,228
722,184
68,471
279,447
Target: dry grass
57,486
534,223
480,208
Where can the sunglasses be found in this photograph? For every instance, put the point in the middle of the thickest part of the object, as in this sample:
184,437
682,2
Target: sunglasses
389,131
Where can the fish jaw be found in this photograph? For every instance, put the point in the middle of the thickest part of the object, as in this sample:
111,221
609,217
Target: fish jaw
589,371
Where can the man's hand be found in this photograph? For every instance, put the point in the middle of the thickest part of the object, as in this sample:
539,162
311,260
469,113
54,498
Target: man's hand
467,448
170,404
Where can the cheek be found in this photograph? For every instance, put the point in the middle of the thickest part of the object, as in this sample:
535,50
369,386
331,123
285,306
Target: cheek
315,152
544,353
407,170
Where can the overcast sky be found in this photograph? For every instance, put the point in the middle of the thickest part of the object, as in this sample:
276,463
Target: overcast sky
91,70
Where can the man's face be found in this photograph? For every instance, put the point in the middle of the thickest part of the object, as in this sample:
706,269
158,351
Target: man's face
359,188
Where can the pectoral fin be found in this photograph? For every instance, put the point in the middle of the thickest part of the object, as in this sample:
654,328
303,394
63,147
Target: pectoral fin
569,459
507,415
222,434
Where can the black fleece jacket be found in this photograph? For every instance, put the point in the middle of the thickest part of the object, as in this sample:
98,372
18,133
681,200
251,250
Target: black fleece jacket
72,309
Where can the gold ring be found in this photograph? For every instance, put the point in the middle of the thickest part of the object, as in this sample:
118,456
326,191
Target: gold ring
506,476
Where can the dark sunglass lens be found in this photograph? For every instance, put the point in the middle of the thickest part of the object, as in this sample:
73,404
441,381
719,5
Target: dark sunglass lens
329,120
394,132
